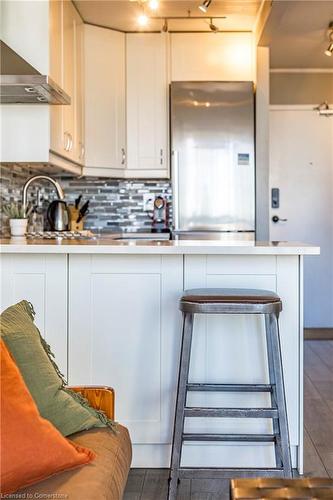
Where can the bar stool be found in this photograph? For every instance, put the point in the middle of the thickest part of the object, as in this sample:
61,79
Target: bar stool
231,301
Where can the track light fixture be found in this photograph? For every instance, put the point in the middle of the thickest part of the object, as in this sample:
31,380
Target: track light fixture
213,26
205,5
328,52
165,27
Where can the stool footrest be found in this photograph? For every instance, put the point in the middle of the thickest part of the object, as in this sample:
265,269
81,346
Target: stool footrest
229,387
231,412
216,473
248,438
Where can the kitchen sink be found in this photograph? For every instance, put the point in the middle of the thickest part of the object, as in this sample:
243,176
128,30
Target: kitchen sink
142,236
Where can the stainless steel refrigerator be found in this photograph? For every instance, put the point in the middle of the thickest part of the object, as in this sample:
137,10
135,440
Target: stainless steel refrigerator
213,163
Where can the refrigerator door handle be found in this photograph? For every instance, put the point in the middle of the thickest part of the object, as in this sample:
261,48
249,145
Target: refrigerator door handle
175,188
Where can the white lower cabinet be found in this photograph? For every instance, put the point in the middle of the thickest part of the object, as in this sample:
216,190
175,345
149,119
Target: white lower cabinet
124,331
42,280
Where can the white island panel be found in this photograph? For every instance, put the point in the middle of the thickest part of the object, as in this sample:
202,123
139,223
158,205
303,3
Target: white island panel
124,331
41,280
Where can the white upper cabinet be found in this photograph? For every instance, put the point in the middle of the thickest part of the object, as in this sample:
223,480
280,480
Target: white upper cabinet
105,115
147,105
47,35
66,51
79,131
212,56
56,73
126,104
68,84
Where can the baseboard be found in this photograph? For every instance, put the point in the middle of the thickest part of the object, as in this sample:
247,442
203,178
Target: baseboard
318,333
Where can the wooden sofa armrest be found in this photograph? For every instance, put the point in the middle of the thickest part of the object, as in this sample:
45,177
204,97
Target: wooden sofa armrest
100,398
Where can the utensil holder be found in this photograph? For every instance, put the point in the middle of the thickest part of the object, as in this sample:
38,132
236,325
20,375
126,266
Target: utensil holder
73,217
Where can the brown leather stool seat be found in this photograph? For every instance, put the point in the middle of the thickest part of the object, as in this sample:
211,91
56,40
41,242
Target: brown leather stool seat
300,488
230,300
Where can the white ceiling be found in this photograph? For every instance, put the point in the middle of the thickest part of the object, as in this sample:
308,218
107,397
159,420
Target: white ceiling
122,14
296,32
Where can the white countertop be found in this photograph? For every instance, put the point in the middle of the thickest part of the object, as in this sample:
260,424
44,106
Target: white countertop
111,246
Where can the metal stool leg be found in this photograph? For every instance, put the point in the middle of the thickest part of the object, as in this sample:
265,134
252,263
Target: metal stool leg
274,350
180,404
272,381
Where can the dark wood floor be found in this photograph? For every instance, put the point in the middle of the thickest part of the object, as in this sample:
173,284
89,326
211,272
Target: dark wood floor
152,484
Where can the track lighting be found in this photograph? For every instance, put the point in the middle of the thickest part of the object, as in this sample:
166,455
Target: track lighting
205,5
324,109
328,52
213,26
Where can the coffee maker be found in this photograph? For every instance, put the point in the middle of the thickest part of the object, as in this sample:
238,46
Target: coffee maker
160,215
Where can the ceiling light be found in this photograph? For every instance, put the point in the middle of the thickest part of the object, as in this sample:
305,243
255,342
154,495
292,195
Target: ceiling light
143,19
329,50
204,6
153,4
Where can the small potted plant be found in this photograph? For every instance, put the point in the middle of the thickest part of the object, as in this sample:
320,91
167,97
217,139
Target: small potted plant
18,218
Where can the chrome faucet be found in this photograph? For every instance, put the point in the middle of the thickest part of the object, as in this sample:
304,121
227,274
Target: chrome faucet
55,183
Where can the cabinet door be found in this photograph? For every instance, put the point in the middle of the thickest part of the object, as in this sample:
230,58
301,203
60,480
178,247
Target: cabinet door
66,65
124,331
212,57
69,50
56,73
104,101
147,105
79,149
42,280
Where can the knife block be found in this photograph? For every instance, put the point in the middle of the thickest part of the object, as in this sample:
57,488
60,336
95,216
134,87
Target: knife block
73,216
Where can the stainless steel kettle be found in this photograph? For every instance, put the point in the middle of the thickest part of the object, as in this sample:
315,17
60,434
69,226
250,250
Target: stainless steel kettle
58,215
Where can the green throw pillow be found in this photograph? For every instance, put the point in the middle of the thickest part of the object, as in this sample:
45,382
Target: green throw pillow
65,409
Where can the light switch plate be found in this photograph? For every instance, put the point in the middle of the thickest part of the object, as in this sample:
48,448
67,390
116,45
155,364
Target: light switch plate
148,202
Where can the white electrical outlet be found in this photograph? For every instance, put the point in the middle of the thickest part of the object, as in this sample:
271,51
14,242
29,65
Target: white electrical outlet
148,202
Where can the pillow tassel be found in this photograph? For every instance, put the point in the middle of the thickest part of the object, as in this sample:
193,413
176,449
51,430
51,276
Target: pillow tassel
101,415
75,395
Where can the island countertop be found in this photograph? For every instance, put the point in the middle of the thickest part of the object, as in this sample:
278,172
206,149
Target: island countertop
108,245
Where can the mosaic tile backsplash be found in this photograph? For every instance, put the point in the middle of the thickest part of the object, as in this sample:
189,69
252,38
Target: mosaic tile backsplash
115,205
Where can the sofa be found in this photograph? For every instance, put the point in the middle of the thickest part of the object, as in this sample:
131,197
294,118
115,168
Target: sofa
104,478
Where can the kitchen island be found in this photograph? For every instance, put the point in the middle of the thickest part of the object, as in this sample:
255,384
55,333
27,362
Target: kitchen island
109,309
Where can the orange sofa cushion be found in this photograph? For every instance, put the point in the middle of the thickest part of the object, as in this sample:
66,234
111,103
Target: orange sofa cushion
32,449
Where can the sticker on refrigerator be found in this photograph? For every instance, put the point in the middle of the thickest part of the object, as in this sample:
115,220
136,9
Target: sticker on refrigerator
243,159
